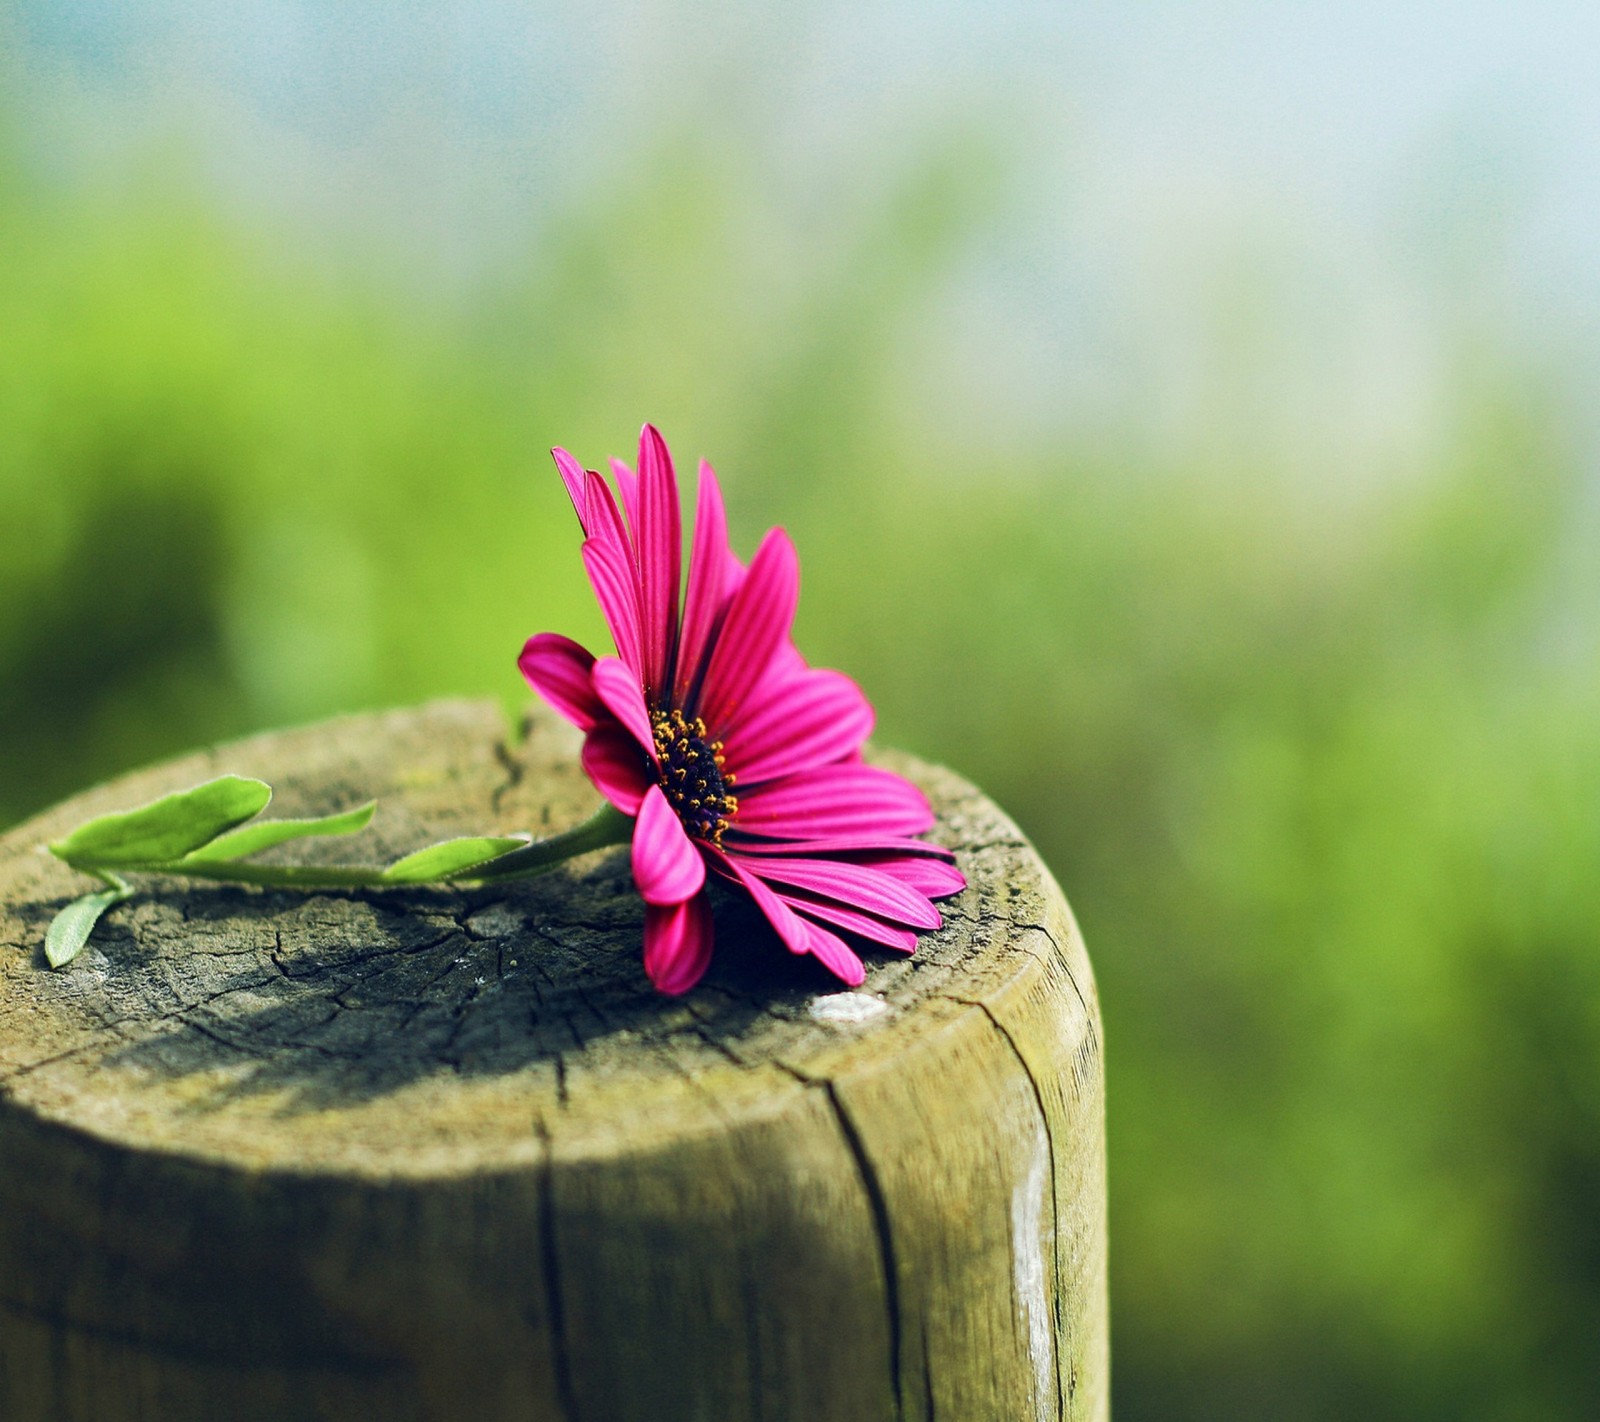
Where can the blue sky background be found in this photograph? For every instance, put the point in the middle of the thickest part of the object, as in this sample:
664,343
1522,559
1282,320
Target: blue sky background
1367,165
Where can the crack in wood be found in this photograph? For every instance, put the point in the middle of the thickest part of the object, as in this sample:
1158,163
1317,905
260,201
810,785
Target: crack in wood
885,1235
1055,1206
561,1358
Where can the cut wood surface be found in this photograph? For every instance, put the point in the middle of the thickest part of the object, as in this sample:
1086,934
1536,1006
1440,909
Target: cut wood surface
443,1154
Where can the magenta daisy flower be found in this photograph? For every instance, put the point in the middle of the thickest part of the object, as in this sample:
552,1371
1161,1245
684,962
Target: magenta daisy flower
735,758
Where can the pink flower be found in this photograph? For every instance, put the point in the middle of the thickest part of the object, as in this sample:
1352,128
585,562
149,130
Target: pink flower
736,758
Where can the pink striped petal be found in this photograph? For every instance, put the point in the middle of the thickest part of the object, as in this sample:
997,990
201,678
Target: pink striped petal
786,667
815,719
628,487
617,589
667,868
660,550
786,662
713,575
853,885
613,761
784,670
558,669
835,800
572,476
902,940
618,687
603,520
778,914
926,876
837,845
755,630
835,955
677,944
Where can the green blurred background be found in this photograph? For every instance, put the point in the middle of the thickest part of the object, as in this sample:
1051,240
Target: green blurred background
1186,421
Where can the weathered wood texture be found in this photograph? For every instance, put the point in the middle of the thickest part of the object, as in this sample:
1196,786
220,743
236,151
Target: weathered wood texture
443,1155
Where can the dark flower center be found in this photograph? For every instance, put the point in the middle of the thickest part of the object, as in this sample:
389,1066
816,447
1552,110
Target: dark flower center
691,773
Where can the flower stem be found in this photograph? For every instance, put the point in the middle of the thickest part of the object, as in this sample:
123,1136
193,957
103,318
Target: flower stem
607,826
273,876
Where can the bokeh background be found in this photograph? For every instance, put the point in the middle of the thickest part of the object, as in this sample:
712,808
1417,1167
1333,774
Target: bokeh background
1186,418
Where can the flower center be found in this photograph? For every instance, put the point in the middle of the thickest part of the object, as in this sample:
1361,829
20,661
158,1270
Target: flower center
691,773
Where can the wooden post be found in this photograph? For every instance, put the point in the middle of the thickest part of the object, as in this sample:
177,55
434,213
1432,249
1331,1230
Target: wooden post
444,1155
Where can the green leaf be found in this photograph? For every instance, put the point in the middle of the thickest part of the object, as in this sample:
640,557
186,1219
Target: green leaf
168,828
451,858
252,839
70,929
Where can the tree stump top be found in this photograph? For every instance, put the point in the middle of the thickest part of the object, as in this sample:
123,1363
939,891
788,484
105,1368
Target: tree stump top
437,1032
444,1155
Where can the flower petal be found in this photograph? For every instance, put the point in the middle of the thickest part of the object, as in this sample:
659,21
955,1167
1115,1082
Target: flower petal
798,934
572,475
835,955
617,589
784,666
902,940
667,868
613,761
677,943
600,508
618,686
786,663
628,488
925,875
660,551
713,574
835,800
810,720
854,885
754,631
778,914
836,845
558,669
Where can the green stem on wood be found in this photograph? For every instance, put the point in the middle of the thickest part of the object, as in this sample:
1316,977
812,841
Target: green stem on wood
176,831
607,826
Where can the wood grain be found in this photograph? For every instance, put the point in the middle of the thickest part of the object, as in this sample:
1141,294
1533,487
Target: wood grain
436,1154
